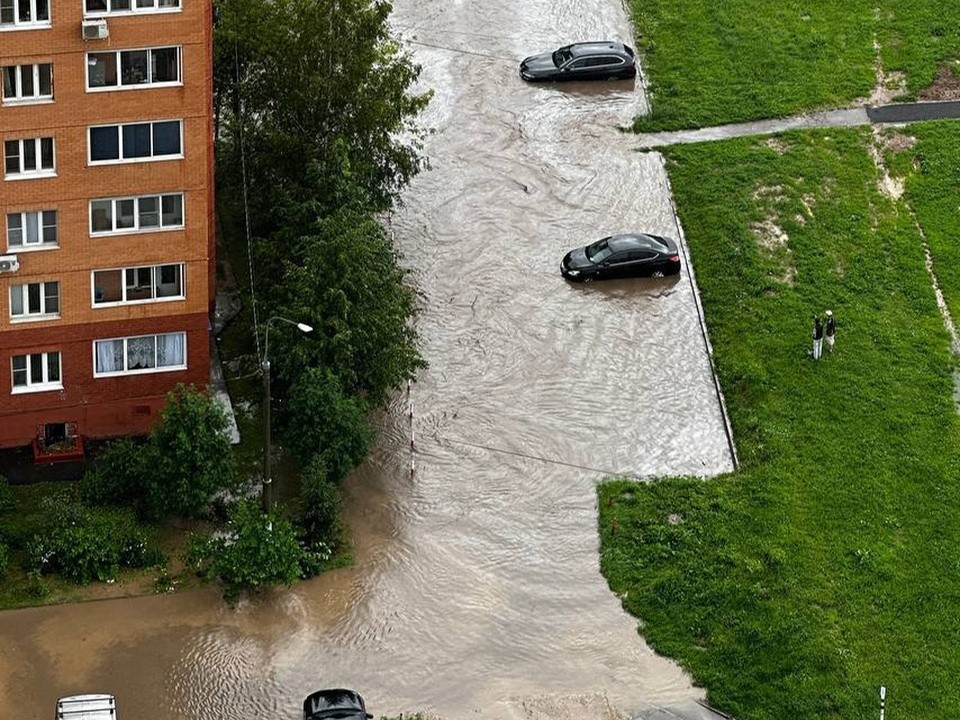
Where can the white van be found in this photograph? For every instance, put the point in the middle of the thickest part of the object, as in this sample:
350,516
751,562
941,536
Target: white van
87,707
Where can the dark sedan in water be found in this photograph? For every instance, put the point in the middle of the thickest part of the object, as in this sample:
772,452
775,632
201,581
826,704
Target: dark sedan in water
582,61
621,256
337,704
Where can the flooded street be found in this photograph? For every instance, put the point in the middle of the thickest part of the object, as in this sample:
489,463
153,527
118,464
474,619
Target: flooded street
476,591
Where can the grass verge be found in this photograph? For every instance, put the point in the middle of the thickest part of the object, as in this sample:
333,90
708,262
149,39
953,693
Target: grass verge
926,157
828,565
713,63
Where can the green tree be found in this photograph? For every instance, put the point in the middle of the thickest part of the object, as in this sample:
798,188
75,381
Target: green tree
326,423
189,455
262,550
341,276
300,77
321,506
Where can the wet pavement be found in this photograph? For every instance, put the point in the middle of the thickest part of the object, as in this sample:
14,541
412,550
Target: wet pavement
476,591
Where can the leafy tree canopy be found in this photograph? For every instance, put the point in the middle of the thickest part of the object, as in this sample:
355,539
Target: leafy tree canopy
190,452
340,275
326,423
302,76
261,550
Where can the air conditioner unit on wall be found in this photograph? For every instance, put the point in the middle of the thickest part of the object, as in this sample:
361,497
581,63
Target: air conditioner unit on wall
9,263
95,30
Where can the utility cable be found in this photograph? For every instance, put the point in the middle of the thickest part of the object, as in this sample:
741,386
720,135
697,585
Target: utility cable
462,52
246,197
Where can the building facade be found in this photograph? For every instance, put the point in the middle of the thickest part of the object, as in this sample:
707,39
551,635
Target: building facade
106,201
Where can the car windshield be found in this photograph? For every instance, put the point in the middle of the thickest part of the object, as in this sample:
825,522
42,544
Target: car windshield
561,56
599,251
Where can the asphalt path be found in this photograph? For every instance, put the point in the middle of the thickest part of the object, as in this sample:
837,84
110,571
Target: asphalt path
893,114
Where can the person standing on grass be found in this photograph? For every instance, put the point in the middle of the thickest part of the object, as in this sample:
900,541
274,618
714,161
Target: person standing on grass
817,337
831,330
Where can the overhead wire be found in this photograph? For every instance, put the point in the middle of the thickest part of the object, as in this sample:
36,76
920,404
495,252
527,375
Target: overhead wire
246,194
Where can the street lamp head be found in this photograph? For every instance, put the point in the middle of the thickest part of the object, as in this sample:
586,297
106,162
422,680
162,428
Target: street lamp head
303,327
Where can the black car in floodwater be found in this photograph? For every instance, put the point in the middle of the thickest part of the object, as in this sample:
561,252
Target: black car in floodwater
337,704
603,60
621,256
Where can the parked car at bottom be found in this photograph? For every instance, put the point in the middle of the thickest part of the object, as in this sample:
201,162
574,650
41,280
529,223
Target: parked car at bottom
622,256
336,704
602,60
87,707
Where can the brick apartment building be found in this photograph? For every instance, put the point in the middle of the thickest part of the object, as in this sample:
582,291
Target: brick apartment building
106,200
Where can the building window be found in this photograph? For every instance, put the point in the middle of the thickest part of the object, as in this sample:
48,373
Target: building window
105,7
34,300
136,142
138,284
24,14
144,354
36,372
30,157
147,213
133,68
27,83
32,230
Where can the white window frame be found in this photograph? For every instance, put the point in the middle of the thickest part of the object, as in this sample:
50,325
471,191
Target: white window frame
38,221
39,171
36,99
126,161
24,291
19,24
43,384
140,371
154,284
136,229
136,86
154,9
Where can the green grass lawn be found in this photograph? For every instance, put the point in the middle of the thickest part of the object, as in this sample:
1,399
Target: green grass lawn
830,563
927,157
711,63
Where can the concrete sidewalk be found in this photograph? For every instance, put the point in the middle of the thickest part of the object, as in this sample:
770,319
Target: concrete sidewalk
896,113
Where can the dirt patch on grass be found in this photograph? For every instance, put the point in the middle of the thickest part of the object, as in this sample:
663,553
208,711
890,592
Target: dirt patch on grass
945,86
890,85
773,192
808,201
890,186
769,235
898,142
777,145
772,239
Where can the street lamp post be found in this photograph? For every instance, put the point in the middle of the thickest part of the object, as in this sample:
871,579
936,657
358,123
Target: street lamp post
267,493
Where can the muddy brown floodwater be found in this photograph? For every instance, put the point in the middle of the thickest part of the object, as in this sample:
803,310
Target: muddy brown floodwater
477,590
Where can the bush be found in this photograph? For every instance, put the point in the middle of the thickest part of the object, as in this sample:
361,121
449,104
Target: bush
7,500
36,586
261,551
117,477
190,458
84,544
4,559
321,504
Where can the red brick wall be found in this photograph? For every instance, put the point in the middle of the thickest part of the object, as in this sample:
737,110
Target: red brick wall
103,407
108,406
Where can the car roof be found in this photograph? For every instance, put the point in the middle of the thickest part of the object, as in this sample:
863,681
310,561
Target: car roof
598,47
639,242
87,707
323,702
